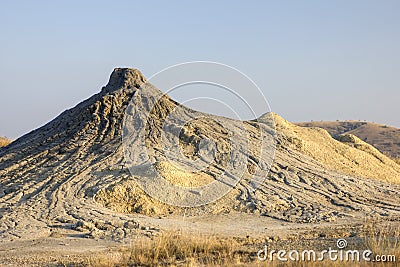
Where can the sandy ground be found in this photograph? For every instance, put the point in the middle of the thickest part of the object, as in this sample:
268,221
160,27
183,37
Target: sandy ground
72,246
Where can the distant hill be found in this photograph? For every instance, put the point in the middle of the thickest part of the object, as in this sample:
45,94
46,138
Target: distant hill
383,137
4,141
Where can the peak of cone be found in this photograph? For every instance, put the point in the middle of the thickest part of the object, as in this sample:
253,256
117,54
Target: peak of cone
124,78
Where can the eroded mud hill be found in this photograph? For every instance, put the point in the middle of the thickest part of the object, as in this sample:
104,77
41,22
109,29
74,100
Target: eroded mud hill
71,173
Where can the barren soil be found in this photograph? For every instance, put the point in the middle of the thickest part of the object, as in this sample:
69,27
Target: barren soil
66,188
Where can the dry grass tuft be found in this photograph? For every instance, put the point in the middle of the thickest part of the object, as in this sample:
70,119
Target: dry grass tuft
174,249
383,240
4,141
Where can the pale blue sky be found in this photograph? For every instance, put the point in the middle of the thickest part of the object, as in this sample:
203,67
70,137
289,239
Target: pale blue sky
314,60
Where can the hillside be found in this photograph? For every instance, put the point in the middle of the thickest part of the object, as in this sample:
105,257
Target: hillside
346,153
385,138
79,175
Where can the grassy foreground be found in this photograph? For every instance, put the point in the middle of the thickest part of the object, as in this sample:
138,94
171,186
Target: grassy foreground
175,249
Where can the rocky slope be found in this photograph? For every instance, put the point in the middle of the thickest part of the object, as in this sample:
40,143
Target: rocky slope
72,174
